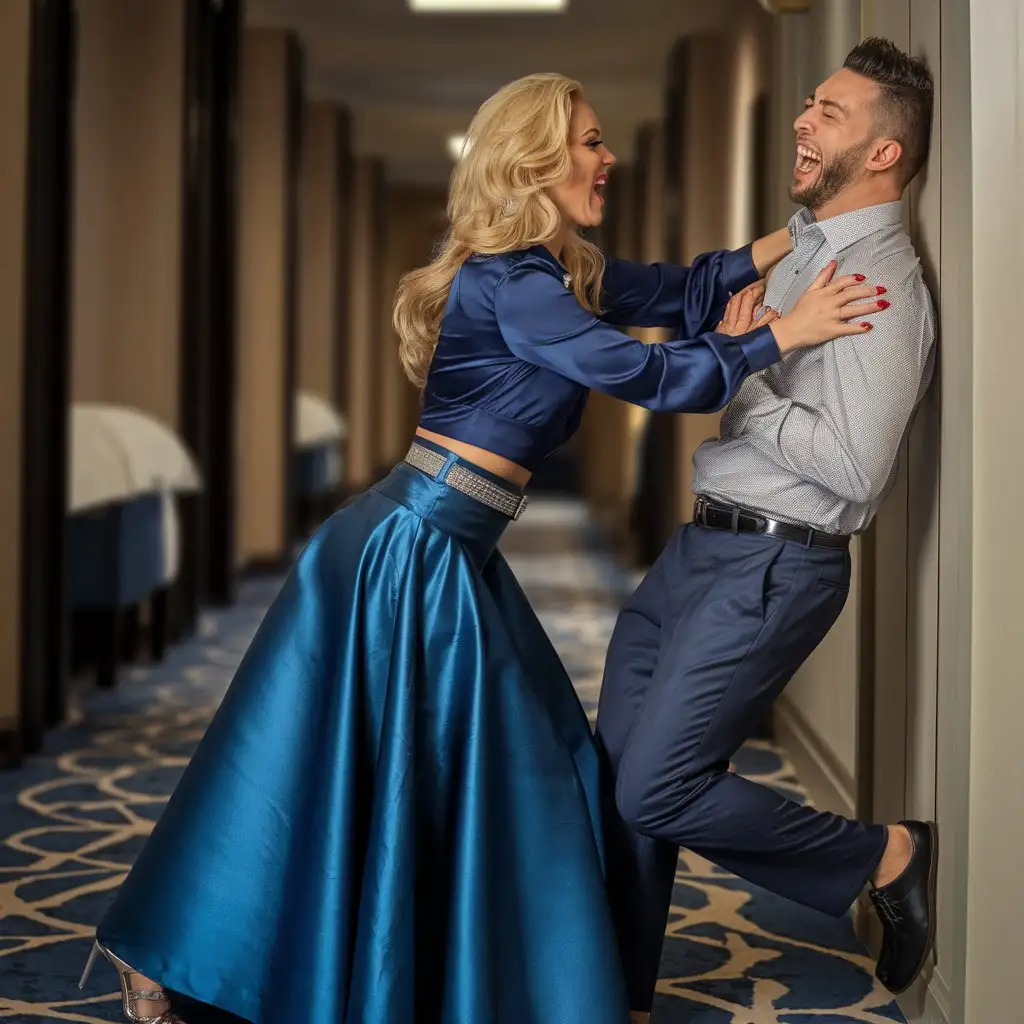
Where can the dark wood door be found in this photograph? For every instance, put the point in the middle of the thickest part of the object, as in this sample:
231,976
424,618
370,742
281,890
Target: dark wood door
45,621
209,274
294,105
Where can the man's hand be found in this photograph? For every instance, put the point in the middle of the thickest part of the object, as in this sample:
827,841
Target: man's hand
739,313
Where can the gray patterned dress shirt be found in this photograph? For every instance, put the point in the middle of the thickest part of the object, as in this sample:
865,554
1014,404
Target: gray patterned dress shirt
814,439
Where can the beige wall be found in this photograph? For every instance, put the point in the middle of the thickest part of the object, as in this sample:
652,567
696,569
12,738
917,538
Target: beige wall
817,718
319,243
724,76
918,686
126,288
631,417
792,77
994,922
647,238
14,57
607,438
415,220
364,344
834,26
261,297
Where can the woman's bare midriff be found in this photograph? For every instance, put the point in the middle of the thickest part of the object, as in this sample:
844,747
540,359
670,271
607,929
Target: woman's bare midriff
481,457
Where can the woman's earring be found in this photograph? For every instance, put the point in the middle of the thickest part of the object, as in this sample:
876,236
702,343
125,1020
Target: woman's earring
508,206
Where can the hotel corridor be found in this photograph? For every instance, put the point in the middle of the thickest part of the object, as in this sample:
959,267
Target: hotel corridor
75,816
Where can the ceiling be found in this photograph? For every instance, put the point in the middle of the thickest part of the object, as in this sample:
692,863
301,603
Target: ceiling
412,80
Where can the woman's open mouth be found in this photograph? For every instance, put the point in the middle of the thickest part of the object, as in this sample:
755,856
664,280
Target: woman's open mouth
599,183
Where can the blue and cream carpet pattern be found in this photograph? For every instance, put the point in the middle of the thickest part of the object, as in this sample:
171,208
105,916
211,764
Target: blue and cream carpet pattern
72,820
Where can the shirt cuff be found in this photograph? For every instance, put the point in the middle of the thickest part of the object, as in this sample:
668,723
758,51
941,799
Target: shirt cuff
738,269
760,348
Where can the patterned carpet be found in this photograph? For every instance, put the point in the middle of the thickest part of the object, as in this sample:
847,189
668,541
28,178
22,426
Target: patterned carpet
72,820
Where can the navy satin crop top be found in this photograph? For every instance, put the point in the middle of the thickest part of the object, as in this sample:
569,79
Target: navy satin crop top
517,353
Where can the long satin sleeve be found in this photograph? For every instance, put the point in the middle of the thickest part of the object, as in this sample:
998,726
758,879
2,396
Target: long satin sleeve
543,324
689,299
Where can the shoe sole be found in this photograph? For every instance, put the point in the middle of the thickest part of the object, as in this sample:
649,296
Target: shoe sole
933,872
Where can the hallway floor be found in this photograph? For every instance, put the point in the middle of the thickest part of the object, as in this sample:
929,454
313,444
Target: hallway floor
72,820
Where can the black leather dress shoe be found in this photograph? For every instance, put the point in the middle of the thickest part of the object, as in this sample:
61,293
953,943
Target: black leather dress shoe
906,907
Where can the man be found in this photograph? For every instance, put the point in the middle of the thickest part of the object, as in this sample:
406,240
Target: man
742,596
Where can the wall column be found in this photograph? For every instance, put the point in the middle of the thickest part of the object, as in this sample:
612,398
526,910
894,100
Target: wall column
702,73
653,511
15,43
48,200
210,300
791,81
37,44
994,926
608,448
415,222
392,440
343,270
364,347
319,251
271,140
128,206
719,80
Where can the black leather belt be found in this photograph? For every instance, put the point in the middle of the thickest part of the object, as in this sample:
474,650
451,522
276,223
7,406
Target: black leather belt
716,516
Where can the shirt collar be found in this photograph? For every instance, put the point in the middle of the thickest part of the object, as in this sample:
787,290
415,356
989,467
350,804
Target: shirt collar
847,228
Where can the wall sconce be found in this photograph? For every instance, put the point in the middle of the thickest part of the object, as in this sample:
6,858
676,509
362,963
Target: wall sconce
487,6
456,147
786,6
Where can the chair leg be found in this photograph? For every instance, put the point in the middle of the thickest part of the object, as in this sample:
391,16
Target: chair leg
174,634
158,610
131,634
81,641
107,647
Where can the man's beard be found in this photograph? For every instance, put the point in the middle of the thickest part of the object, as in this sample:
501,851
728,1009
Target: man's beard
834,176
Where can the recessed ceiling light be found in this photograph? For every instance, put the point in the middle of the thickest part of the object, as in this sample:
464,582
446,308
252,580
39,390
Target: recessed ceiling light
487,6
456,147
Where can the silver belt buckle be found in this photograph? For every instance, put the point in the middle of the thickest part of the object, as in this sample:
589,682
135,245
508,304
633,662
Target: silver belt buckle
701,511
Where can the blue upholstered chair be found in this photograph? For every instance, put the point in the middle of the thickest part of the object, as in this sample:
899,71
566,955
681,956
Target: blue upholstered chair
317,462
127,471
116,561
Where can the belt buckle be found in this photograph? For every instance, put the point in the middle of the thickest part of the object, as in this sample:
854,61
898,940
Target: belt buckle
520,507
700,511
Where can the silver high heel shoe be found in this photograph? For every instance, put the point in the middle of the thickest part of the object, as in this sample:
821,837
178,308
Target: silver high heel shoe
130,996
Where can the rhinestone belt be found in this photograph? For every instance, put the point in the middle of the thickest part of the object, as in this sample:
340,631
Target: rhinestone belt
465,480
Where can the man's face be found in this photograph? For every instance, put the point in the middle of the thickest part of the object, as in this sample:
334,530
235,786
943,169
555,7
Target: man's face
833,137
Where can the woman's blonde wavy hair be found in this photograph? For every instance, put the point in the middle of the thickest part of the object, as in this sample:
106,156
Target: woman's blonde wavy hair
516,148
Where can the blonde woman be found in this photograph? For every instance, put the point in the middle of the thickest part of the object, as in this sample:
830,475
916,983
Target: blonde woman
394,816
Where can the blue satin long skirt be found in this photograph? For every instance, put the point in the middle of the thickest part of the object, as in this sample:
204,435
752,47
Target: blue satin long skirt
394,815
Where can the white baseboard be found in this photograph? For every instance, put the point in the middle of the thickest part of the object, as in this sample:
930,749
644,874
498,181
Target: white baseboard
937,1003
830,786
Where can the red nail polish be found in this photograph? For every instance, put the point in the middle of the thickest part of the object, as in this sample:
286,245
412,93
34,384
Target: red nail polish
859,277
880,290
867,326
882,304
